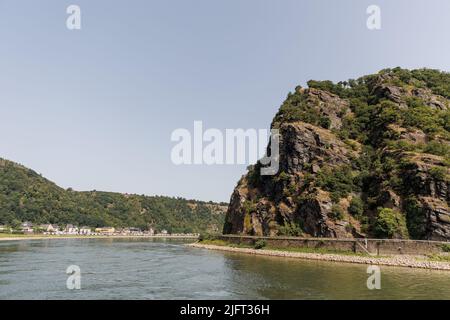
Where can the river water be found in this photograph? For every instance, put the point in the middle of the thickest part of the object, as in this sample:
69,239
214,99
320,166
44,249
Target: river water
167,269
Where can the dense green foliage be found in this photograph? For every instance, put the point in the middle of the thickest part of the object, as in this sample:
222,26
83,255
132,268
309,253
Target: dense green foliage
337,213
437,81
260,244
27,196
338,181
296,108
415,217
371,113
390,223
375,121
356,207
290,229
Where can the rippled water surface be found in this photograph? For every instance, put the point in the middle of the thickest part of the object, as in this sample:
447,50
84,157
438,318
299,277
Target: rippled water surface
167,269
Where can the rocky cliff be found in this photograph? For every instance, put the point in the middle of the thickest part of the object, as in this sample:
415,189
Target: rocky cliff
361,158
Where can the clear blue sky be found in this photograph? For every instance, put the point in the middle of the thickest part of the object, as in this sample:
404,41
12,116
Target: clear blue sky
94,109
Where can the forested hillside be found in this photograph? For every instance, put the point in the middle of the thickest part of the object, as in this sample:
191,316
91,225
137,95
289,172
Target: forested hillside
27,196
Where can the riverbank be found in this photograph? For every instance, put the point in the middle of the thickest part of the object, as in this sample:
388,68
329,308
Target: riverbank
422,262
4,237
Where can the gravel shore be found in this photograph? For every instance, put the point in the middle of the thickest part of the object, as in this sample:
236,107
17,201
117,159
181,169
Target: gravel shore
397,260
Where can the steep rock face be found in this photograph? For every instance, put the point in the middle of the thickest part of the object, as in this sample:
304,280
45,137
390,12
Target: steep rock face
305,146
304,150
367,158
432,192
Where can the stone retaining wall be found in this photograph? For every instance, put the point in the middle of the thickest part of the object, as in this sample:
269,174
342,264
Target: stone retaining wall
372,246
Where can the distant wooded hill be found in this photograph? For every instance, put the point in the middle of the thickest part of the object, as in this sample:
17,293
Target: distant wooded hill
27,196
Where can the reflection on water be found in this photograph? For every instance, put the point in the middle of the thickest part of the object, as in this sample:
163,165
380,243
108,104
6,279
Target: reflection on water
166,269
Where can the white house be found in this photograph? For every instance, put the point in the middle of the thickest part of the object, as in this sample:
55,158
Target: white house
27,227
26,224
85,230
71,229
48,228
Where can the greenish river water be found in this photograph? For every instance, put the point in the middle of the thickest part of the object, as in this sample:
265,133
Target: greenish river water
167,269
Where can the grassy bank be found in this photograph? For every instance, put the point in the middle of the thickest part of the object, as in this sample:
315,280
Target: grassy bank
11,235
433,262
287,249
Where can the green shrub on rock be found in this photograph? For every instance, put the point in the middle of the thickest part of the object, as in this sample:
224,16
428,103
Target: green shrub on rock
260,244
290,229
356,207
438,173
336,212
206,236
390,224
415,218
